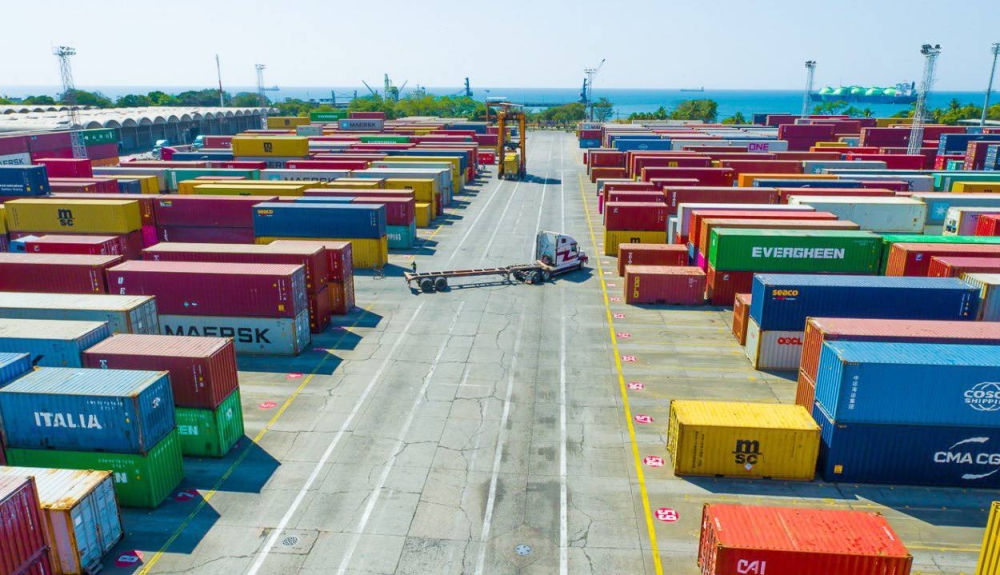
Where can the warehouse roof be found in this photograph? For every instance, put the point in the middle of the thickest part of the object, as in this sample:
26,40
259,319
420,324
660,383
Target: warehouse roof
57,118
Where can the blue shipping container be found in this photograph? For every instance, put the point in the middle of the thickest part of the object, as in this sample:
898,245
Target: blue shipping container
958,143
908,454
13,366
107,410
322,220
784,301
589,143
21,181
626,144
51,343
202,156
129,186
909,383
807,183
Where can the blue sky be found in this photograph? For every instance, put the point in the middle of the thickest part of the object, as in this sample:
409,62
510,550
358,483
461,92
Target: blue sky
542,43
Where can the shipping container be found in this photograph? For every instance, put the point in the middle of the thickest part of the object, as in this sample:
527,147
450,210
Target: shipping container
785,301
341,297
635,216
338,256
651,255
79,512
23,180
706,225
293,175
953,267
805,391
938,203
54,273
686,212
140,480
776,350
277,219
74,244
884,215
745,440
211,432
721,287
200,288
989,294
282,146
741,317
202,369
964,221
889,239
989,555
757,540
676,285
366,253
13,366
613,239
320,310
22,532
988,225
914,259
123,314
734,249
205,235
79,216
250,335
51,343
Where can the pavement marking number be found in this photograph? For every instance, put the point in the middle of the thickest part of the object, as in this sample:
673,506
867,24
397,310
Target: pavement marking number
619,316
295,375
624,335
639,418
128,559
667,515
635,386
268,405
615,298
186,495
628,358
612,285
652,461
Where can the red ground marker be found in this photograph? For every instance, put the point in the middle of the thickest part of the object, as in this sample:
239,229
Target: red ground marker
652,461
667,515
268,405
643,419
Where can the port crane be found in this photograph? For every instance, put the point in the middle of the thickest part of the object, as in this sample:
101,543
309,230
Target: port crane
512,151
589,86
810,75
69,94
930,54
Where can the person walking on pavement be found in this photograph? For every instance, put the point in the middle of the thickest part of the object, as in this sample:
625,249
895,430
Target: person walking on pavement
413,266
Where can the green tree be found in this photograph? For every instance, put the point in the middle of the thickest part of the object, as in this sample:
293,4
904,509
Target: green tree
39,101
85,98
372,103
245,100
158,98
834,108
704,110
565,115
659,114
133,101
603,110
737,118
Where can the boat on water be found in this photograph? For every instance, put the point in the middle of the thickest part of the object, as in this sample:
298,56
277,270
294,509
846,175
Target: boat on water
903,93
702,89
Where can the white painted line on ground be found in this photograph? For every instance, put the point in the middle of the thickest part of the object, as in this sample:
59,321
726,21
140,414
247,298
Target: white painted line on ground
541,209
472,226
499,224
276,533
396,450
563,496
498,456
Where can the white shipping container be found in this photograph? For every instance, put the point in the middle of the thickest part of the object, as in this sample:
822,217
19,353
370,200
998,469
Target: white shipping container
989,297
308,130
963,221
251,335
304,175
124,314
820,166
917,183
16,160
684,221
780,350
880,215
80,512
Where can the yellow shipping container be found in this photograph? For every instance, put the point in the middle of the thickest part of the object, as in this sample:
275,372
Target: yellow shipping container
977,187
65,215
3,220
830,145
735,439
747,180
149,184
278,122
105,162
886,122
366,253
424,215
457,177
282,146
258,189
989,556
612,239
359,183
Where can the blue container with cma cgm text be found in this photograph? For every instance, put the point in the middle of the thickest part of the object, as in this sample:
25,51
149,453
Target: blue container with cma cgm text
909,383
784,301
318,220
104,410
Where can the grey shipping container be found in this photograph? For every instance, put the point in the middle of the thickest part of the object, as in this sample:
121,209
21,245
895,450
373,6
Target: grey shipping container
124,314
251,335
51,343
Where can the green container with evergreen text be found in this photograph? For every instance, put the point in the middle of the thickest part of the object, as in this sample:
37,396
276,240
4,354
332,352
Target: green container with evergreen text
794,251
211,432
328,116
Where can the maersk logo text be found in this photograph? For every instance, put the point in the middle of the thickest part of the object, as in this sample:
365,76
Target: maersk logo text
799,253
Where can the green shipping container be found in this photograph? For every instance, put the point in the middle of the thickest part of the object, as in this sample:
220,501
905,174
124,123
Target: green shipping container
327,116
889,239
383,139
211,432
401,237
943,181
178,175
98,137
139,481
795,251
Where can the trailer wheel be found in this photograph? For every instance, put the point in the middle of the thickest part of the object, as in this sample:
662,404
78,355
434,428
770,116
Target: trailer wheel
427,285
518,275
546,275
441,284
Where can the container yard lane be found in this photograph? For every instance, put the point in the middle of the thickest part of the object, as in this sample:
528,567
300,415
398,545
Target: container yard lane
494,428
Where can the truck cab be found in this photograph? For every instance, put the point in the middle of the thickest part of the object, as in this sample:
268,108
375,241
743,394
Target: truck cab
558,252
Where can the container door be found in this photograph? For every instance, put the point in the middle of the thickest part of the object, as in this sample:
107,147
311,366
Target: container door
106,509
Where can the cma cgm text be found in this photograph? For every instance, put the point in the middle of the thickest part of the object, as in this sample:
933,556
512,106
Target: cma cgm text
799,253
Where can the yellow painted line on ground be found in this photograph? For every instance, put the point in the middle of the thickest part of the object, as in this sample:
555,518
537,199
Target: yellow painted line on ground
637,458
207,496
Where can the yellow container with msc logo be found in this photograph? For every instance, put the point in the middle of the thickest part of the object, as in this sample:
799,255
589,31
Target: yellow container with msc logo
748,440
282,146
67,216
612,239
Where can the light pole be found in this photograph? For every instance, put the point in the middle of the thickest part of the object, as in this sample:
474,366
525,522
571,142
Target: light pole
986,105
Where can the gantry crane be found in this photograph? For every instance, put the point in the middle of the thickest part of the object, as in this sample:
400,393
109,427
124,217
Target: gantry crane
810,74
930,54
512,152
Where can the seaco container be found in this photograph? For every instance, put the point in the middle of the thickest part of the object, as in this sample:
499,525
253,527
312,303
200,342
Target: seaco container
51,343
735,249
22,532
989,556
202,369
989,294
741,317
747,440
199,288
250,335
79,512
948,456
820,330
54,273
678,285
301,220
87,410
13,366
140,480
785,301
78,216
651,255
914,259
211,432
909,383
884,215
757,540
123,314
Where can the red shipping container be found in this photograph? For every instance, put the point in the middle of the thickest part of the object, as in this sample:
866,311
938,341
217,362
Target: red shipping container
199,288
327,165
146,202
805,391
783,193
953,267
892,161
103,152
661,183
312,257
674,285
127,245
202,369
46,141
205,235
366,115
338,256
819,132
213,142
605,159
320,310
880,137
713,149
941,160
58,185
67,168
66,153
975,153
721,287
165,164
676,195
635,216
763,167
741,316
988,225
750,539
342,296
237,165
358,193
22,532
207,211
913,259
11,145
808,156
55,273
74,244
651,255
655,197
821,330
639,163
41,565
398,211
598,173
705,176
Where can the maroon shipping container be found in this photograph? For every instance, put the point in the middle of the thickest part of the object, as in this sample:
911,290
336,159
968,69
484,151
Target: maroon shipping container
676,195
47,141
366,115
99,185
398,211
651,255
22,532
705,176
645,197
721,287
892,161
320,310
763,167
808,156
56,153
202,369
816,132
102,151
312,257
215,142
127,245
41,565
784,193
67,168
757,540
194,211
206,235
635,216
602,173
199,288
338,256
146,202
74,244
55,273
675,285
975,154
640,162
11,145
914,259
953,267
327,164
237,165
988,225
341,296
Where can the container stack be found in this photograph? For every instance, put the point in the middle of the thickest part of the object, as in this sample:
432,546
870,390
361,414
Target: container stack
633,223
362,225
207,219
51,343
123,314
340,282
117,218
24,545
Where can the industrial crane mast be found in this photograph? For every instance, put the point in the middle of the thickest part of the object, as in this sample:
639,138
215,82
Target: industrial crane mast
931,54
591,74
69,94
810,74
260,94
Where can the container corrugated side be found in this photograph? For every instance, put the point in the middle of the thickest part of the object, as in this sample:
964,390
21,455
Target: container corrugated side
13,366
989,555
773,349
319,220
211,432
613,239
68,215
734,249
22,532
741,317
55,273
366,253
51,343
250,335
883,215
889,239
124,314
989,286
746,440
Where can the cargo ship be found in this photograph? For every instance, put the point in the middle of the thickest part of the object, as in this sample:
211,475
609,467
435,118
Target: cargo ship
901,93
